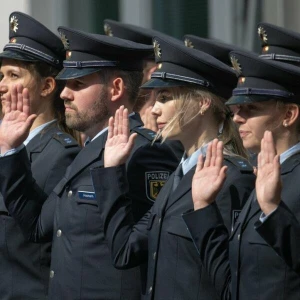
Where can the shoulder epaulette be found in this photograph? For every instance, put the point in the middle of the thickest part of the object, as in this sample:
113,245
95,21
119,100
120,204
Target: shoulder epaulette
145,132
65,139
241,163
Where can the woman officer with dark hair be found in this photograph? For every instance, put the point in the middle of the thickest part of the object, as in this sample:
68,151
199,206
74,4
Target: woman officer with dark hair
32,59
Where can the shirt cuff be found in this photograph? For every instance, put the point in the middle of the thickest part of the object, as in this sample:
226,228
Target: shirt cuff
264,217
13,151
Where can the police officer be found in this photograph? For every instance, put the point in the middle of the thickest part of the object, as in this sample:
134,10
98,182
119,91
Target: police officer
146,98
260,259
101,74
191,87
33,57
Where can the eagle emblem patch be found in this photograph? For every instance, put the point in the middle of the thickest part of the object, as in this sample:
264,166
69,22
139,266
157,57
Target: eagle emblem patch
154,182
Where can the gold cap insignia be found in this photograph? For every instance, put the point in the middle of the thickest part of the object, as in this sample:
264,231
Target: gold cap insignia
156,47
68,54
64,40
262,34
159,66
242,80
188,43
14,23
108,30
235,64
13,40
265,49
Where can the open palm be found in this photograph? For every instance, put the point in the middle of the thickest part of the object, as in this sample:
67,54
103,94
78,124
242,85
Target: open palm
209,175
17,119
119,141
268,183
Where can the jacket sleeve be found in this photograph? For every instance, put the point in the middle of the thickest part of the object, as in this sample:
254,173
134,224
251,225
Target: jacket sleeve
281,230
210,228
128,242
210,237
31,206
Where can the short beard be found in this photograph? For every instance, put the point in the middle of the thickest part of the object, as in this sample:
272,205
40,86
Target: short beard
84,121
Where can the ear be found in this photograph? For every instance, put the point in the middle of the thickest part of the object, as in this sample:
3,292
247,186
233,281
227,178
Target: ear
48,86
204,105
117,89
291,115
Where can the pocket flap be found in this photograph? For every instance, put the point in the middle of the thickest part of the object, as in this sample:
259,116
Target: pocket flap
177,226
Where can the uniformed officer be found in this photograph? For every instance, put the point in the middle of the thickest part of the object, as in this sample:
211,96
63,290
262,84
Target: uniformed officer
146,98
279,44
260,259
101,74
191,88
33,57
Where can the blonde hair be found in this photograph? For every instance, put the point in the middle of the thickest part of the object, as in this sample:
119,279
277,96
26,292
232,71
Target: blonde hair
187,102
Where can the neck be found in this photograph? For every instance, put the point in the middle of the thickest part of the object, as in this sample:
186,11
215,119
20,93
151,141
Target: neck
284,143
42,119
95,129
192,142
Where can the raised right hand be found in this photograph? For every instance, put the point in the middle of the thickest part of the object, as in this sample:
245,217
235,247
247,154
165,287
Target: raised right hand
17,119
209,175
119,140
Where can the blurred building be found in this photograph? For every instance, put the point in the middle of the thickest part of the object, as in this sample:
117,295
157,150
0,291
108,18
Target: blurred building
232,21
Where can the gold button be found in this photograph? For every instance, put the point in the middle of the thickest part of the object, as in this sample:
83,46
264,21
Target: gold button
58,233
150,290
51,274
70,194
154,255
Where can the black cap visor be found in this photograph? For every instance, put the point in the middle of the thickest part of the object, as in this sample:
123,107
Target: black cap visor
71,73
246,99
156,83
17,56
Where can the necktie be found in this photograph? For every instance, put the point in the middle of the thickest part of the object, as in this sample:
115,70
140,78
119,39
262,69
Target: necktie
177,177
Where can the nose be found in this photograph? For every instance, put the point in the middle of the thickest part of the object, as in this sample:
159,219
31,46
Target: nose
156,110
237,114
66,94
3,87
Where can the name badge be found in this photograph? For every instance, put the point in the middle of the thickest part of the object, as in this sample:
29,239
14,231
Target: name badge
86,195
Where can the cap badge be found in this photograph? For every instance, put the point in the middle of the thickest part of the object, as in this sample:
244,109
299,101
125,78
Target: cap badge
14,23
235,64
64,40
262,34
188,43
68,54
157,50
13,40
159,66
108,30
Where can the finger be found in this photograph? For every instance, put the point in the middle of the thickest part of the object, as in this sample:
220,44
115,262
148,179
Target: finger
270,147
262,153
259,165
221,178
14,98
19,97
200,163
125,129
110,128
116,122
120,123
255,171
276,164
26,102
130,143
219,154
29,121
208,155
214,152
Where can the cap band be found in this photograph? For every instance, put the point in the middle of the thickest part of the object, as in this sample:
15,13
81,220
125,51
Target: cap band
164,75
16,46
261,92
281,57
90,64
